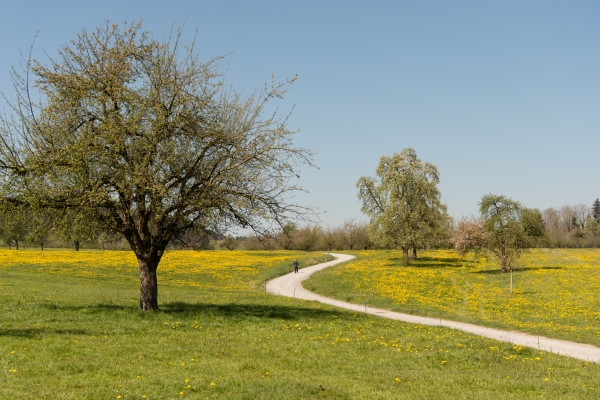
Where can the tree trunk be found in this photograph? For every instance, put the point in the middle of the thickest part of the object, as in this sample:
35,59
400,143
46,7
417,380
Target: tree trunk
42,244
17,244
76,244
503,259
405,252
414,253
148,283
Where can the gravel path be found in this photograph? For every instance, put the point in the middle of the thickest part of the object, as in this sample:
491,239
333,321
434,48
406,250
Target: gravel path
290,285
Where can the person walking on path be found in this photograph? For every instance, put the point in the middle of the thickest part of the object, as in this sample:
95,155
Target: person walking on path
296,266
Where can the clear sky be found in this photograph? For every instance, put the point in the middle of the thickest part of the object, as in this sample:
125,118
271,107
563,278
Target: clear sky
504,97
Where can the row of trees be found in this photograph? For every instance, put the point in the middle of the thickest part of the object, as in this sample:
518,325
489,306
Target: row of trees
349,236
21,225
573,226
549,228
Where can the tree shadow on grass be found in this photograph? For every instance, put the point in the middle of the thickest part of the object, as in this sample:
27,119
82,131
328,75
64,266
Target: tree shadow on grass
516,270
241,310
233,311
90,309
30,333
431,262
444,260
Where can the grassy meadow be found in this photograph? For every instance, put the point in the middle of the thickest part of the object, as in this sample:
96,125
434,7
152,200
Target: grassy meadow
555,290
70,329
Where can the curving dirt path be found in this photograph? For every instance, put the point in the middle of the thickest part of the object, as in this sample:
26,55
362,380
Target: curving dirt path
290,285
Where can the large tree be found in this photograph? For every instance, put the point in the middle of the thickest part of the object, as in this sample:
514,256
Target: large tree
403,202
146,139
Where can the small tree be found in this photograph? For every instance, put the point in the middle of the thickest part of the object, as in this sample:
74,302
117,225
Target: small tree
592,227
14,223
41,225
506,239
330,238
364,240
596,210
506,236
534,228
350,234
287,237
75,227
229,243
193,238
469,236
307,237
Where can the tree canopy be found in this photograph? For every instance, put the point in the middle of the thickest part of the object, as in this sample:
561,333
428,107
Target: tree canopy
144,138
403,202
506,235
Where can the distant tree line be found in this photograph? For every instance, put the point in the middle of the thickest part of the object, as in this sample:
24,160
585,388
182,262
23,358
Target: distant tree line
572,226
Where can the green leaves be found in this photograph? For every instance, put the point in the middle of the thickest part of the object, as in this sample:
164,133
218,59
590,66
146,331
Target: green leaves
507,238
404,202
147,140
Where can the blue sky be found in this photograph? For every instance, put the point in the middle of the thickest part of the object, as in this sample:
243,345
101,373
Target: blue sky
504,97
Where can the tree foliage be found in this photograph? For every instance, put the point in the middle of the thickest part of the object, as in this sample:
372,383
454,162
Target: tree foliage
506,236
403,202
229,243
596,210
14,223
144,138
534,228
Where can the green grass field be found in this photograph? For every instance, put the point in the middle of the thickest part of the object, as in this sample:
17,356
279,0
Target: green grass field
70,329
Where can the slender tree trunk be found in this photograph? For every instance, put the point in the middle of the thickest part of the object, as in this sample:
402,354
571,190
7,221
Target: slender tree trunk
148,283
503,259
17,244
76,244
414,253
42,244
405,253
